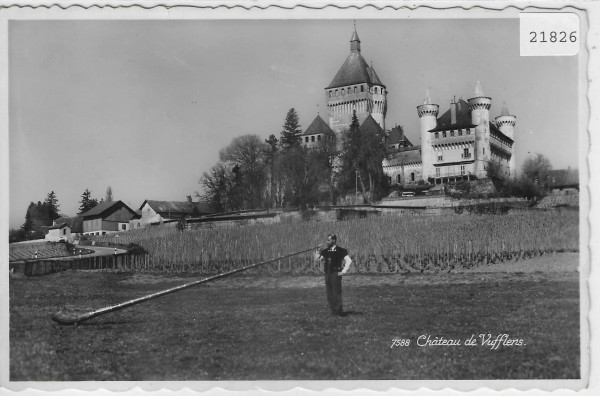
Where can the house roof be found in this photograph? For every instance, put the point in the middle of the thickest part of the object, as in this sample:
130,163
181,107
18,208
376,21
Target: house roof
169,206
396,136
318,126
463,118
76,223
179,206
100,208
105,208
58,226
406,157
369,125
558,178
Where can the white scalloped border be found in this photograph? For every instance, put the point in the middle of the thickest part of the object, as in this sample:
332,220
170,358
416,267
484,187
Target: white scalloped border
589,159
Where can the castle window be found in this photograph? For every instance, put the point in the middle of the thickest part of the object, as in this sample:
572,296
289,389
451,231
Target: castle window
312,138
460,132
440,157
330,93
343,91
437,135
444,134
412,176
336,92
451,133
437,172
306,139
375,89
362,88
468,131
354,89
399,179
319,138
462,169
466,153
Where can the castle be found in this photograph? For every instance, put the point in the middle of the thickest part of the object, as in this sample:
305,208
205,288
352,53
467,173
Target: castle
461,144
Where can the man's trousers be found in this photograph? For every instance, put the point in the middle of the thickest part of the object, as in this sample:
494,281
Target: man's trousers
333,284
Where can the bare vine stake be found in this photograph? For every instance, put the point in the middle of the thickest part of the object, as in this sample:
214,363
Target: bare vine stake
72,317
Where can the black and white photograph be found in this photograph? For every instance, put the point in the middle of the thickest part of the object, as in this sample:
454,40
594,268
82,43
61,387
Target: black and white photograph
235,196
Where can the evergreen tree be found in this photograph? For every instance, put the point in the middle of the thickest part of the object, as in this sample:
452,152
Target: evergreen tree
361,160
52,203
27,227
87,202
109,196
290,135
270,155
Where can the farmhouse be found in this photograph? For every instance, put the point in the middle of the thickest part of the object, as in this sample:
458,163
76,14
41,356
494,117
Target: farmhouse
156,212
59,232
107,217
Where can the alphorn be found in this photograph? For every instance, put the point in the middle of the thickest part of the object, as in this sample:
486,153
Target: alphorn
67,316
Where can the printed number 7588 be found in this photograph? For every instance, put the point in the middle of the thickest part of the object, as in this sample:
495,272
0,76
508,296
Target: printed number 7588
396,342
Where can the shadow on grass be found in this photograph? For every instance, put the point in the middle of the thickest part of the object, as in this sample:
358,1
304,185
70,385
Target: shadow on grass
351,313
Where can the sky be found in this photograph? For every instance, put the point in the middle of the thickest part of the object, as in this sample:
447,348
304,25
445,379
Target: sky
145,106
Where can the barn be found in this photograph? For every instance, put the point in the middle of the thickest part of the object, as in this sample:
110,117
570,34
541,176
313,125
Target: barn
107,217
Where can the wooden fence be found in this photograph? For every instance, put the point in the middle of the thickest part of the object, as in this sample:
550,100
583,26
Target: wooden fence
117,263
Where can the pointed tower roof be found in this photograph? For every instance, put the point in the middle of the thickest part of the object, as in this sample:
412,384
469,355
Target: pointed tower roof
427,99
504,111
355,69
318,126
478,90
371,126
355,41
397,136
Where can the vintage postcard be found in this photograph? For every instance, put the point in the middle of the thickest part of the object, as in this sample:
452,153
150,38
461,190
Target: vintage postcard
243,195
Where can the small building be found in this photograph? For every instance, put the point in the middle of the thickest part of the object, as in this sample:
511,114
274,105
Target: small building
562,180
397,140
136,222
107,217
318,134
59,233
156,212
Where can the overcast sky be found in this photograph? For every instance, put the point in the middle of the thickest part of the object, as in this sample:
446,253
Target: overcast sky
145,106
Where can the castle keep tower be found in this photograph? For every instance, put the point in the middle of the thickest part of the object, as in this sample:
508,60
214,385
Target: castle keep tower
428,120
356,86
506,124
480,117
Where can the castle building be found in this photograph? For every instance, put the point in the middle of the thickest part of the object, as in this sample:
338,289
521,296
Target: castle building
355,87
461,144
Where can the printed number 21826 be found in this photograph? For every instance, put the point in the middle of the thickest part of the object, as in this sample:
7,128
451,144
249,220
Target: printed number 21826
552,37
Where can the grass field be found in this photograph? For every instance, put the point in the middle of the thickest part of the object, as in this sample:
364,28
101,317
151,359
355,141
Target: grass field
249,327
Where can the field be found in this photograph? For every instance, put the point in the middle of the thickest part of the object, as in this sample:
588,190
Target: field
28,250
452,276
386,244
278,326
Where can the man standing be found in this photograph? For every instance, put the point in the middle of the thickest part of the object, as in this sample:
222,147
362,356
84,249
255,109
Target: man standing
333,257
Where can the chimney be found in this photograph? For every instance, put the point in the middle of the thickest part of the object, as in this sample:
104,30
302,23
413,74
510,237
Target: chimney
453,111
189,198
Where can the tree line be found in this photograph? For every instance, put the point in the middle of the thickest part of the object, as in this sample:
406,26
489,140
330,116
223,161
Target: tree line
253,173
43,214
